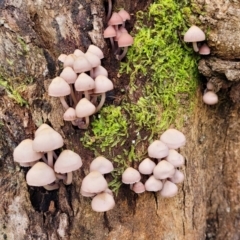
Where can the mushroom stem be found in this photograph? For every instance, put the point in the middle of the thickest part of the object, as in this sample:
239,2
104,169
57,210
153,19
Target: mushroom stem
83,125
69,179
120,57
103,97
55,155
112,44
44,159
60,176
51,187
50,158
73,95
109,9
195,47
63,102
86,93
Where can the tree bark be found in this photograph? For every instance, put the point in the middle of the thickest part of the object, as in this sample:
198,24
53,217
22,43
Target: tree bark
32,35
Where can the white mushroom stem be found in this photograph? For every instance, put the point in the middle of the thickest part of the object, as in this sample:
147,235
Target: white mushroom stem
120,57
50,158
60,176
44,159
73,95
51,187
195,47
64,103
86,93
69,179
103,97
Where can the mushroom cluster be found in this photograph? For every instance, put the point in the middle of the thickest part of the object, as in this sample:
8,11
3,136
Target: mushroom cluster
118,34
95,185
43,172
164,174
83,88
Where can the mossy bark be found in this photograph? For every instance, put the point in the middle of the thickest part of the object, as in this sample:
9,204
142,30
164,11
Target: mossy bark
32,35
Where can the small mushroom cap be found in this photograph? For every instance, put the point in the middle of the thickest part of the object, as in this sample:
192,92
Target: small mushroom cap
40,128
102,165
175,158
210,98
24,152
173,138
85,108
210,86
100,70
194,34
178,177
102,202
62,57
81,64
204,49
58,88
70,114
125,40
115,19
69,61
124,15
87,194
109,32
68,75
96,50
102,84
93,59
119,32
94,182
67,161
40,175
157,149
78,53
84,83
153,184
138,187
169,189
130,176
47,140
146,166
163,170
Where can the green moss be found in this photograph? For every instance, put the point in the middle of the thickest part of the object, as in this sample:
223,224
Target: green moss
163,81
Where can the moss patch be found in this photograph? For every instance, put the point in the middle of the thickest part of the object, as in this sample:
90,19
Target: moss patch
163,82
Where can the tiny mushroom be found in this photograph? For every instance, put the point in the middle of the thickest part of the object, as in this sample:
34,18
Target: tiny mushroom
157,149
67,162
175,158
163,170
169,189
194,35
125,40
204,49
102,165
210,98
115,20
110,33
138,187
153,184
96,50
131,176
178,177
173,138
103,202
146,166
124,15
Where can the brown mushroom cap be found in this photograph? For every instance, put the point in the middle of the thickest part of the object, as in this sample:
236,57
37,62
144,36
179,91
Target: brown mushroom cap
146,166
94,182
40,175
85,108
130,176
157,149
47,140
58,88
163,170
103,202
102,165
24,152
173,138
67,161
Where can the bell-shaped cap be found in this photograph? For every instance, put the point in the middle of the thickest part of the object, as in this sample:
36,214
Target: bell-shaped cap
130,176
67,161
69,60
81,64
125,40
96,50
204,49
47,140
102,202
85,108
70,114
153,184
194,34
169,189
138,187
210,98
157,149
109,32
146,166
100,70
58,88
40,175
84,83
62,57
163,170
102,165
94,182
78,53
175,158
24,152
68,75
102,84
173,138
178,177
115,19
40,128
119,32
124,15
93,59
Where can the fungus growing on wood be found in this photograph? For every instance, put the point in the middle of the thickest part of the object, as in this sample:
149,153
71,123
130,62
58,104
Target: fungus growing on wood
173,138
125,40
210,98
